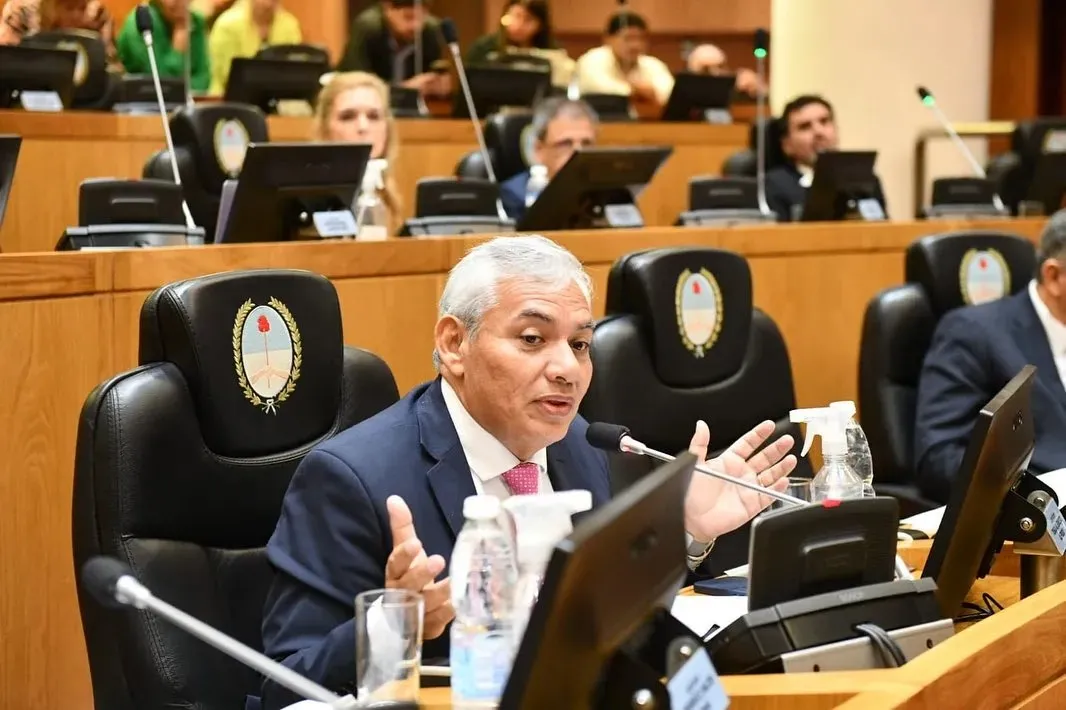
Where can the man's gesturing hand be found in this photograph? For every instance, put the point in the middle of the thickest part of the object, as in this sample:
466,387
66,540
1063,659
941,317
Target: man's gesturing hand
408,567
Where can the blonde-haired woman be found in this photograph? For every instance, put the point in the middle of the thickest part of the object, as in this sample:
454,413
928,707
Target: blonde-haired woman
354,107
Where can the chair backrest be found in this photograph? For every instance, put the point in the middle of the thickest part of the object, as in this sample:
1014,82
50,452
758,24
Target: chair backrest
681,341
507,136
182,464
92,84
744,163
943,272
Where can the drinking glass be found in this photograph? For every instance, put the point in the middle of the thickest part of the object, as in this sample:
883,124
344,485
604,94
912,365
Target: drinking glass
797,488
388,644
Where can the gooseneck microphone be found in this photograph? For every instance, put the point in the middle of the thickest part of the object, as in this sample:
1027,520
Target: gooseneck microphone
930,101
612,437
762,39
113,585
451,37
143,19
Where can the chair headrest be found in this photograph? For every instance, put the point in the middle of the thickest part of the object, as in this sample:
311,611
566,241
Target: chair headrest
261,352
509,140
217,137
967,268
695,310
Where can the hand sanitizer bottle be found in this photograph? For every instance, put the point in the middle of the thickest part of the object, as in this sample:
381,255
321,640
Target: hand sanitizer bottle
859,457
836,480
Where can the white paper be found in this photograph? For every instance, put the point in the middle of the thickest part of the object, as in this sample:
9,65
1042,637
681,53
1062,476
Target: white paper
702,612
929,521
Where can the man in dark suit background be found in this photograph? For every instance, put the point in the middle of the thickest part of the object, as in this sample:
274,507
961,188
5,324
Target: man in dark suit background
382,42
380,504
808,127
560,126
976,350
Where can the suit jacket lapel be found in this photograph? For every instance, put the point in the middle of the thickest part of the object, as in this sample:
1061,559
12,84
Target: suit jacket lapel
566,473
449,479
1032,341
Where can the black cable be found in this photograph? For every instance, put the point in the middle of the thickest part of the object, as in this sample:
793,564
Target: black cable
891,654
978,612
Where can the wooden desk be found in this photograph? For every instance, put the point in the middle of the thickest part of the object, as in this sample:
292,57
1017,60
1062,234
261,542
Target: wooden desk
70,321
59,151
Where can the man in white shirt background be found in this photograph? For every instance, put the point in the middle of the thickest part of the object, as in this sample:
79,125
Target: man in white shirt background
380,505
622,65
977,349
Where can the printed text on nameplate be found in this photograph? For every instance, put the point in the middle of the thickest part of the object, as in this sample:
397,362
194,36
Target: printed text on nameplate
696,686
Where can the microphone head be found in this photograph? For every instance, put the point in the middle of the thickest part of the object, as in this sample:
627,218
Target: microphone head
925,96
606,436
100,576
762,39
143,17
447,28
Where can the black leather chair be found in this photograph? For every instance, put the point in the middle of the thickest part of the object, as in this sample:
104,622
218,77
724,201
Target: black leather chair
95,87
1013,171
745,163
506,138
898,327
681,341
182,464
209,144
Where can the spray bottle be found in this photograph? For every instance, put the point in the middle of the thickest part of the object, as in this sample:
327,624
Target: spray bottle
541,521
371,217
836,480
859,457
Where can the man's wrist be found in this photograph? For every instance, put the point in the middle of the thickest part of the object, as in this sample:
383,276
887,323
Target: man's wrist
696,551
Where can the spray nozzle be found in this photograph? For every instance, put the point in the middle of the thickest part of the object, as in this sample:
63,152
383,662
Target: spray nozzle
830,423
374,175
543,520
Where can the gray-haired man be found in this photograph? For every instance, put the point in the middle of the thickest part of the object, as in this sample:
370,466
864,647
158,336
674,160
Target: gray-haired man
512,353
560,126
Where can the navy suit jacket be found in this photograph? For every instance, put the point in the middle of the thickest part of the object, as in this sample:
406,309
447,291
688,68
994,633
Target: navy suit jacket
976,350
513,195
333,537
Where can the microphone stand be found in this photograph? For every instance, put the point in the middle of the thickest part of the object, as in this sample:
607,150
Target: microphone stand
188,57
760,122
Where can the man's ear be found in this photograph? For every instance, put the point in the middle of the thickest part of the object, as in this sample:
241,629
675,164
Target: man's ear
449,339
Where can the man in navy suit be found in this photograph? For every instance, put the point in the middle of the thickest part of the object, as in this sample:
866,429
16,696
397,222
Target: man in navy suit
976,350
560,126
512,350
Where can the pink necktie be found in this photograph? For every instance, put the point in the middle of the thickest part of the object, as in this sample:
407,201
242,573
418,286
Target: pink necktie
523,479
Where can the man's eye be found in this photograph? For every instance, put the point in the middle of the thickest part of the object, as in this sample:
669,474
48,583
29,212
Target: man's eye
531,339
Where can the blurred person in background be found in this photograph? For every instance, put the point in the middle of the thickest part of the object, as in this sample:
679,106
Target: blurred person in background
354,108
710,59
177,33
244,29
24,18
525,24
622,65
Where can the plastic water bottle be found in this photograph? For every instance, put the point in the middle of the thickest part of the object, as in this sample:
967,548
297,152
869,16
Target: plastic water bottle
483,576
538,180
859,457
371,215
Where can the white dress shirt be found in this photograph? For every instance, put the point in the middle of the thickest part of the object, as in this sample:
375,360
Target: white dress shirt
488,458
598,72
1055,330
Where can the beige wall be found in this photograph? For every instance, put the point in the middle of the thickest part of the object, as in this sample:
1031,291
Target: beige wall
868,56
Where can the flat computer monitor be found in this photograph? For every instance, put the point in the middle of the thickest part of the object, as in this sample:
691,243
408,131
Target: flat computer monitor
723,201
111,201
407,103
92,82
266,82
455,206
610,107
971,532
844,187
283,185
294,53
623,562
596,188
960,197
135,93
696,97
9,156
496,87
25,69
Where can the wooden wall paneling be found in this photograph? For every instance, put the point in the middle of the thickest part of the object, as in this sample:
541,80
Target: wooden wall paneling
1053,59
1014,91
323,22
120,9
677,16
54,351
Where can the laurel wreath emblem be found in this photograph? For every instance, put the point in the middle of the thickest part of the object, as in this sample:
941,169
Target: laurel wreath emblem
698,349
268,406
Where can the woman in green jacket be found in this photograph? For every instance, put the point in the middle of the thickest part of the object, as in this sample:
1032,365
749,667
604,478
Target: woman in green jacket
177,32
525,24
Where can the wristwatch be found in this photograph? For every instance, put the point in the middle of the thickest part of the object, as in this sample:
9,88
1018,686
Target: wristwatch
697,552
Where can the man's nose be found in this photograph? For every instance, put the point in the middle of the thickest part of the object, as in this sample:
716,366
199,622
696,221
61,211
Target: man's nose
563,364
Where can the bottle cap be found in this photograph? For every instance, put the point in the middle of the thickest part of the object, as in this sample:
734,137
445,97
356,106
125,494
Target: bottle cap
481,508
